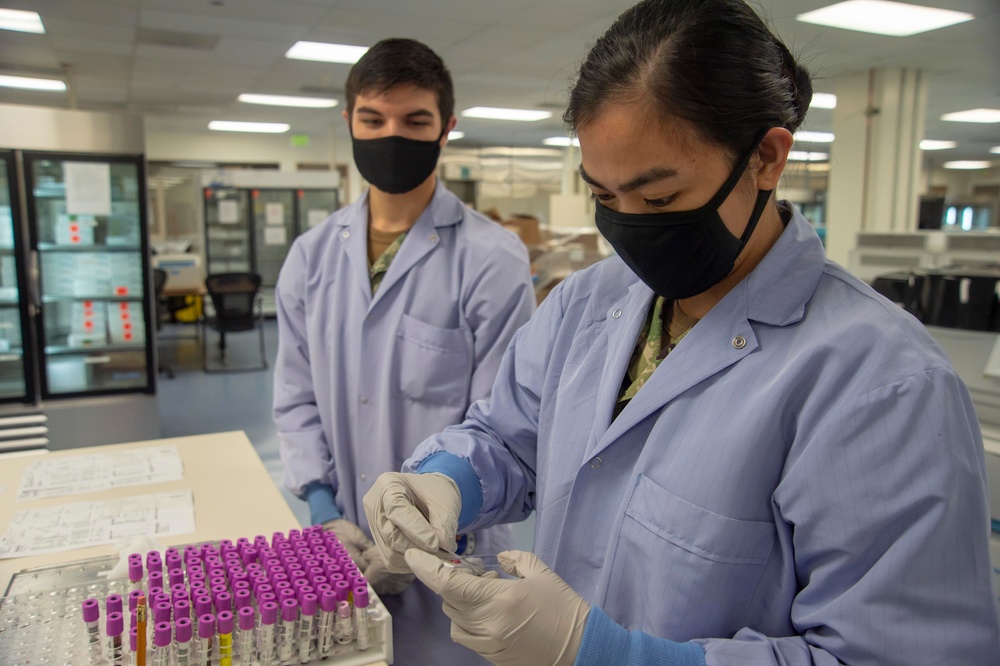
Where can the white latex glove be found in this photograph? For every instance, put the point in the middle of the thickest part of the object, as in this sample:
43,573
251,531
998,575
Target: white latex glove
383,581
536,619
412,511
352,537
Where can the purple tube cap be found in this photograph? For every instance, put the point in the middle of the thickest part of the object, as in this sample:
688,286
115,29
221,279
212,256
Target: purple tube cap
246,617
206,625
361,597
135,570
309,604
115,624
114,603
133,598
133,639
91,610
203,605
161,612
328,601
268,612
161,636
289,610
183,629
223,601
225,619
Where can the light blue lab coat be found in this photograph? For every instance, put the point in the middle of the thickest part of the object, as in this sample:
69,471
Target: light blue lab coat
800,481
359,381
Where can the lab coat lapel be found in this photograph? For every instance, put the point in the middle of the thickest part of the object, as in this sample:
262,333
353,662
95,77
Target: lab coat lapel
624,320
721,339
423,238
353,239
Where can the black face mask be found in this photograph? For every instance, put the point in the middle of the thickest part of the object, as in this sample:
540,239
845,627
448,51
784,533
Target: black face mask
395,164
681,254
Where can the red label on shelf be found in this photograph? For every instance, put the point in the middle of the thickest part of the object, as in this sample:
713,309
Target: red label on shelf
128,337
88,304
74,228
123,306
74,239
88,325
126,326
122,291
125,315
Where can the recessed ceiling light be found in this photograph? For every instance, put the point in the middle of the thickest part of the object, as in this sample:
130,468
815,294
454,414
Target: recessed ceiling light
823,101
995,150
455,135
803,156
931,144
21,21
814,137
825,166
561,141
323,52
32,84
493,113
234,126
974,116
284,100
882,17
968,164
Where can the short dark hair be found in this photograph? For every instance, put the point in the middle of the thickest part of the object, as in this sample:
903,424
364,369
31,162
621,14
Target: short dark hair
711,63
397,62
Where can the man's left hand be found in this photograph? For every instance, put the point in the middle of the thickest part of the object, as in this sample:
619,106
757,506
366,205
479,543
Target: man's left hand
534,619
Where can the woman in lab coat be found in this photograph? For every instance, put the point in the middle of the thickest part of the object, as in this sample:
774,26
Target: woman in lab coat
737,452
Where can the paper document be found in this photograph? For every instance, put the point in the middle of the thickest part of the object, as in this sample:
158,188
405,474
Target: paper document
274,212
88,188
83,524
229,212
100,471
275,236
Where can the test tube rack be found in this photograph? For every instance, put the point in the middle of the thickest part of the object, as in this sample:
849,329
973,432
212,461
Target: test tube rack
41,621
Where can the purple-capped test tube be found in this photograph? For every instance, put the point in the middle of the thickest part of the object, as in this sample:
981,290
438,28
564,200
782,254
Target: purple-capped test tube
154,578
162,612
92,618
182,609
207,646
113,604
361,616
342,588
223,602
246,618
114,628
135,572
286,630
309,604
182,638
242,598
202,605
162,637
133,599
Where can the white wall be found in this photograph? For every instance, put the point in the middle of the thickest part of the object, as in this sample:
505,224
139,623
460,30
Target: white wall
236,147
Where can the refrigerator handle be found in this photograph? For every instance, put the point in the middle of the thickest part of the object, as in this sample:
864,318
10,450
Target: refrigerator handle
34,285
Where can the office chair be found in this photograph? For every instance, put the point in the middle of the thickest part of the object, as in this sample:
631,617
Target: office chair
237,304
162,314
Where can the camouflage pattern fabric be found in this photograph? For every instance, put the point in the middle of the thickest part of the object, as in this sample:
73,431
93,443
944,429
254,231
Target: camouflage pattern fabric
648,352
378,269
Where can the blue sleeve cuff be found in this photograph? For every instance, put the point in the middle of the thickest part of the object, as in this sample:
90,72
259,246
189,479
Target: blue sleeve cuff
460,471
606,642
322,506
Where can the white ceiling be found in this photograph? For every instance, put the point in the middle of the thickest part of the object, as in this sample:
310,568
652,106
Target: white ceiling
516,53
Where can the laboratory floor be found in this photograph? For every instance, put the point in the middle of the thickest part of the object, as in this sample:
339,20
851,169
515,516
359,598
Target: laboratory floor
195,402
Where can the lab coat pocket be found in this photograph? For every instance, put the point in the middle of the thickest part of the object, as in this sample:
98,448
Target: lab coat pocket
435,364
681,571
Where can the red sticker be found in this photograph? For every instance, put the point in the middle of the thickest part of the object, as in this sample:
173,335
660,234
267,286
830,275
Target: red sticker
127,326
125,315
128,336
88,304
74,239
121,291
88,325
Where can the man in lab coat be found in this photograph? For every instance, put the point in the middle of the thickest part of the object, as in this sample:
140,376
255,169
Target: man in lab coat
393,316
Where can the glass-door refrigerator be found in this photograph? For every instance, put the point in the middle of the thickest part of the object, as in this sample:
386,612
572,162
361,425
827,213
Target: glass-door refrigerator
274,231
87,223
16,376
229,243
314,206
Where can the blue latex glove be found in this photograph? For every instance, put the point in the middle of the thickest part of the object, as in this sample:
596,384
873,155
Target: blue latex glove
322,507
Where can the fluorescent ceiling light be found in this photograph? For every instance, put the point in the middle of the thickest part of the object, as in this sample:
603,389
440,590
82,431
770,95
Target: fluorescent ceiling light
814,137
823,101
323,52
974,116
455,135
803,156
818,167
284,100
995,150
233,126
968,164
931,144
896,19
32,84
21,21
506,114
561,141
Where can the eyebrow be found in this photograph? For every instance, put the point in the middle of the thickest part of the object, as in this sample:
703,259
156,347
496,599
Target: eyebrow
419,113
651,176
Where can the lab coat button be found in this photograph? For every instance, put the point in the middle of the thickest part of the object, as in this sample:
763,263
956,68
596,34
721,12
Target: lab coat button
616,314
364,401
596,462
434,238
345,234
363,477
739,342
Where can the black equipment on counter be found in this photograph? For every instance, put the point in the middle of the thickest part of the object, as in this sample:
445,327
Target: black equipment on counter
956,297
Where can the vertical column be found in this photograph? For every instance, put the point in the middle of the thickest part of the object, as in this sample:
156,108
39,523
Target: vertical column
875,176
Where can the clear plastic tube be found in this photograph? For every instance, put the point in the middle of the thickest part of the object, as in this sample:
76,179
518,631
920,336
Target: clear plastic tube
343,630
306,623
286,641
265,645
361,627
244,645
182,654
326,640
